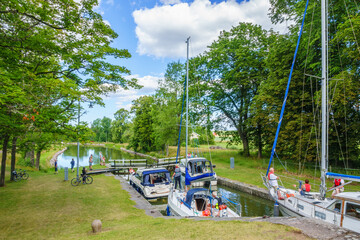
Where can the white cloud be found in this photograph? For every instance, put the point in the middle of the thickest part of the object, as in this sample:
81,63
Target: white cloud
110,2
162,30
123,98
167,2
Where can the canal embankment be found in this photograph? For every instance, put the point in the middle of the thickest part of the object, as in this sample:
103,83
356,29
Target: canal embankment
52,160
139,154
244,187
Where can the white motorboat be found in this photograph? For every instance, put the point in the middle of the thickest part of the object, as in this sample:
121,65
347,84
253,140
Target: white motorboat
152,183
343,209
195,203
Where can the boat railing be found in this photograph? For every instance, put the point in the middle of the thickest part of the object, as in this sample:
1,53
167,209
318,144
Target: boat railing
233,205
171,161
128,163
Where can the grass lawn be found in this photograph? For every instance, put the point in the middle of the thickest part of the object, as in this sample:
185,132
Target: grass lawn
46,207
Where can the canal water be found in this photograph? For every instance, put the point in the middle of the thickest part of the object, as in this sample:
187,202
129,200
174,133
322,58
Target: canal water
64,159
251,206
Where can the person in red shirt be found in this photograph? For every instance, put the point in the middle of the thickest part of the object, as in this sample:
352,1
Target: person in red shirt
338,182
306,188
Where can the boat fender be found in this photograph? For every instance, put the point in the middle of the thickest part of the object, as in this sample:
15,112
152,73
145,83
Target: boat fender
206,213
222,207
290,195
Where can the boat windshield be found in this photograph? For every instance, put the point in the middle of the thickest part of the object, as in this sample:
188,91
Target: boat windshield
152,178
199,166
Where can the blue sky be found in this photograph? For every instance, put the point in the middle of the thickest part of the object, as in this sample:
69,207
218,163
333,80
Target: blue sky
154,32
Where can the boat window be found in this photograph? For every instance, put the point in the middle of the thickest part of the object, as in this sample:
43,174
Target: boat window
300,206
161,177
336,206
320,215
137,176
353,210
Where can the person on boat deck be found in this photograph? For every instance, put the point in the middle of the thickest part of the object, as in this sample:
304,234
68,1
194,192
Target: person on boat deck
273,182
215,203
338,182
177,175
305,188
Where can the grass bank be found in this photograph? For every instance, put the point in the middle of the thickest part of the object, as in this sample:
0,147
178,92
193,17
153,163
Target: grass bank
46,207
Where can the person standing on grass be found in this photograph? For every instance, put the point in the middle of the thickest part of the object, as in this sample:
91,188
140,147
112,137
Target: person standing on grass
90,162
72,165
56,166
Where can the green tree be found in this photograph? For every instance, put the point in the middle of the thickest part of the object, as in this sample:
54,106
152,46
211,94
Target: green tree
143,124
167,107
120,125
49,52
234,69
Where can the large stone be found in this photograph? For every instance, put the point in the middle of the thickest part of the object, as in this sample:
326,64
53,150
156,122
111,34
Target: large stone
96,226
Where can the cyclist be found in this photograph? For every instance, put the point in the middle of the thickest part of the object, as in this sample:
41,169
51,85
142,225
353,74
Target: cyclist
83,174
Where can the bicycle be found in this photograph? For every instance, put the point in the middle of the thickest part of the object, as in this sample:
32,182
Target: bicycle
23,174
76,181
16,176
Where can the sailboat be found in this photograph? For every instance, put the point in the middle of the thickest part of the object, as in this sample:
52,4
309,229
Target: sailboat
196,202
344,208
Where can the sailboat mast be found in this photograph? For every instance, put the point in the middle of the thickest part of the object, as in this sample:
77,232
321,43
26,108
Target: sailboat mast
187,95
324,97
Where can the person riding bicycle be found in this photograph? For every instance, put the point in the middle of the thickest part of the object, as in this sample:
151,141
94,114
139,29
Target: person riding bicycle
83,174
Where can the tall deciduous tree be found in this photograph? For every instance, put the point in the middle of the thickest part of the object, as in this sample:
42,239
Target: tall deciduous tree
234,70
50,51
143,124
120,125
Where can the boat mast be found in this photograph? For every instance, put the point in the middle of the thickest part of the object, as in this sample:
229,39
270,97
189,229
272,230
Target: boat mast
324,97
187,95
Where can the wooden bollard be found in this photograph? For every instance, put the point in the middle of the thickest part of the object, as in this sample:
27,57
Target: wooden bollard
96,226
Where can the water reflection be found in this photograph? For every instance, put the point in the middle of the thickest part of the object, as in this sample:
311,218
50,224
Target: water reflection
64,159
251,206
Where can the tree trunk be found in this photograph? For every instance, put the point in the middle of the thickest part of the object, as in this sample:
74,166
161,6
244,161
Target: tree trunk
259,142
32,157
38,153
246,146
3,161
13,157
167,149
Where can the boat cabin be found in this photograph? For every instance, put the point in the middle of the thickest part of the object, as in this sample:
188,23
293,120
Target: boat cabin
197,166
152,182
199,196
153,176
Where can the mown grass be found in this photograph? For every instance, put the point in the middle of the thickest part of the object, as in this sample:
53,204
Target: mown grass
47,207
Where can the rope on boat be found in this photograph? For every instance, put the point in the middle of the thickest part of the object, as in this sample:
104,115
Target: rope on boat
287,90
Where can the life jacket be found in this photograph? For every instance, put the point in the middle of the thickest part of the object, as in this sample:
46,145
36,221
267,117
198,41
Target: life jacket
307,187
219,202
337,182
269,175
